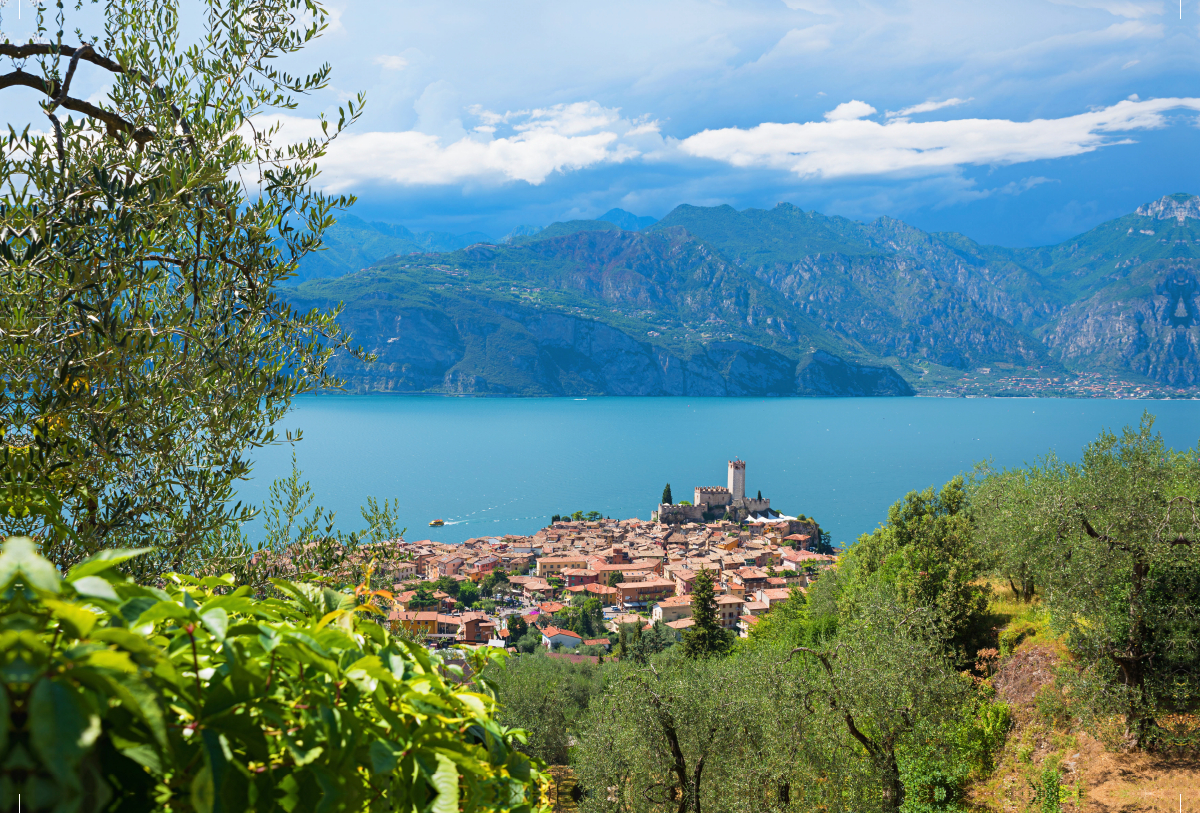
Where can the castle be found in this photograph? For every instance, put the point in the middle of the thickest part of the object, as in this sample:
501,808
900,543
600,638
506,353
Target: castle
714,503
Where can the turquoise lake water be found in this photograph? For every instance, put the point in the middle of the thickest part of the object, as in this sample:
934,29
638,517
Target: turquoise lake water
490,466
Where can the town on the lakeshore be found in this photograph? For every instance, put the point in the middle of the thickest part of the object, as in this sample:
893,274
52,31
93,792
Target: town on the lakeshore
622,572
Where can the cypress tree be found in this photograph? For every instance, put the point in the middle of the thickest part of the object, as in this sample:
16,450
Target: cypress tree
666,498
760,494
706,637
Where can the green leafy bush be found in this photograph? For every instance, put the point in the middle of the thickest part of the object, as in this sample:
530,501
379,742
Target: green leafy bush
1012,637
196,697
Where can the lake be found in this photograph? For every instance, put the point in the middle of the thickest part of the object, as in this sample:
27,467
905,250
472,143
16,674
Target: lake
490,466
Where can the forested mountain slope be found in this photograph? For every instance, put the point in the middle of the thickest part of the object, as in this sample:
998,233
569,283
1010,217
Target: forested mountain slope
716,301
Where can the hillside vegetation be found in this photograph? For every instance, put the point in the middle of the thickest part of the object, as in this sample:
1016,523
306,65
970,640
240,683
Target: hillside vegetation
1021,640
714,301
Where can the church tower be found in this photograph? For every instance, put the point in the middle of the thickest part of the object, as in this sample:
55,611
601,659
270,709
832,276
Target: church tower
737,479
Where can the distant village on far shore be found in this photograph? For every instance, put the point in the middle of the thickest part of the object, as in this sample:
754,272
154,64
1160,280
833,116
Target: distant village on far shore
576,582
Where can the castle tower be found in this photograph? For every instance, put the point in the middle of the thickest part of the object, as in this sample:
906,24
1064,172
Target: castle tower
737,479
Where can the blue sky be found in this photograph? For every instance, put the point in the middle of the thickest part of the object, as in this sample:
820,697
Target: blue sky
1018,123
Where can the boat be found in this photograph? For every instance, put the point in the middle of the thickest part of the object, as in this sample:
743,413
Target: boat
437,523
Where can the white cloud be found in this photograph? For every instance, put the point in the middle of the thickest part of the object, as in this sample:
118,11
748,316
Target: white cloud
391,62
1130,64
849,111
847,147
1119,8
543,141
925,107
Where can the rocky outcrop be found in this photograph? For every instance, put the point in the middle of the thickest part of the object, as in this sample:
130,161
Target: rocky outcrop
1180,207
1150,325
895,306
824,374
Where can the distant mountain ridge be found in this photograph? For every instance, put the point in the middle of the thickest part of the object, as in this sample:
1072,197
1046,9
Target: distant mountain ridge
710,300
352,244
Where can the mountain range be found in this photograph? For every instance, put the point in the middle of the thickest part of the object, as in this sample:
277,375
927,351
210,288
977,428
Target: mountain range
713,301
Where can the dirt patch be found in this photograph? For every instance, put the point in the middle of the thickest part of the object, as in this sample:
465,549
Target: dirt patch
1125,783
1023,673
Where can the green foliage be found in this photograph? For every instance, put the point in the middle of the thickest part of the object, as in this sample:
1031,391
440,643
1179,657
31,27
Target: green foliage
517,626
585,618
1014,634
1049,793
530,642
706,637
926,554
1120,562
494,582
546,697
194,696
886,680
468,593
143,239
666,495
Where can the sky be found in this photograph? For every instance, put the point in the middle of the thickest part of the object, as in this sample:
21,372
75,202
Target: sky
1017,123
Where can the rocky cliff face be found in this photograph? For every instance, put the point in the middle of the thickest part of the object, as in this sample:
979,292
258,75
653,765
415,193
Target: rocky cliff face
895,306
1148,326
521,351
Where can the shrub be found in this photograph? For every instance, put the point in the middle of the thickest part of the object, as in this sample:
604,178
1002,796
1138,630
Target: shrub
196,697
1012,637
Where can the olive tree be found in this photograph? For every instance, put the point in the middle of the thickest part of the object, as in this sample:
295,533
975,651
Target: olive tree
1121,568
881,686
1012,534
651,738
145,349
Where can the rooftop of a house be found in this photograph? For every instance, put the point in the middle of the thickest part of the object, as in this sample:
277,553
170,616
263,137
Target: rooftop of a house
554,632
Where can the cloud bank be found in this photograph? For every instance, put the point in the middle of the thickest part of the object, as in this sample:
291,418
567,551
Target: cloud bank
847,144
525,146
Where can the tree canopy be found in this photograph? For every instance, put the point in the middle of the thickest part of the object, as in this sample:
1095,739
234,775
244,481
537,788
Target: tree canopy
1113,540
143,236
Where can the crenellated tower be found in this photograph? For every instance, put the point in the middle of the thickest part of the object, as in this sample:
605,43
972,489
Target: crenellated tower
737,479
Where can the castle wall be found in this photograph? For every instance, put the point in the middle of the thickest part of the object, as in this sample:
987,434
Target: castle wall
712,495
755,506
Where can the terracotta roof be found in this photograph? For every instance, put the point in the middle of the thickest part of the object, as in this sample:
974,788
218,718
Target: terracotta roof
675,601
550,632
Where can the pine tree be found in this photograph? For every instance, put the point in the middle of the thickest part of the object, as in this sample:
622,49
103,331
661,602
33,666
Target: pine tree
760,494
705,638
666,498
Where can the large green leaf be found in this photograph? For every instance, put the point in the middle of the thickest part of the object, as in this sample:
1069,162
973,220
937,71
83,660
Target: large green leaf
62,727
445,780
20,556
